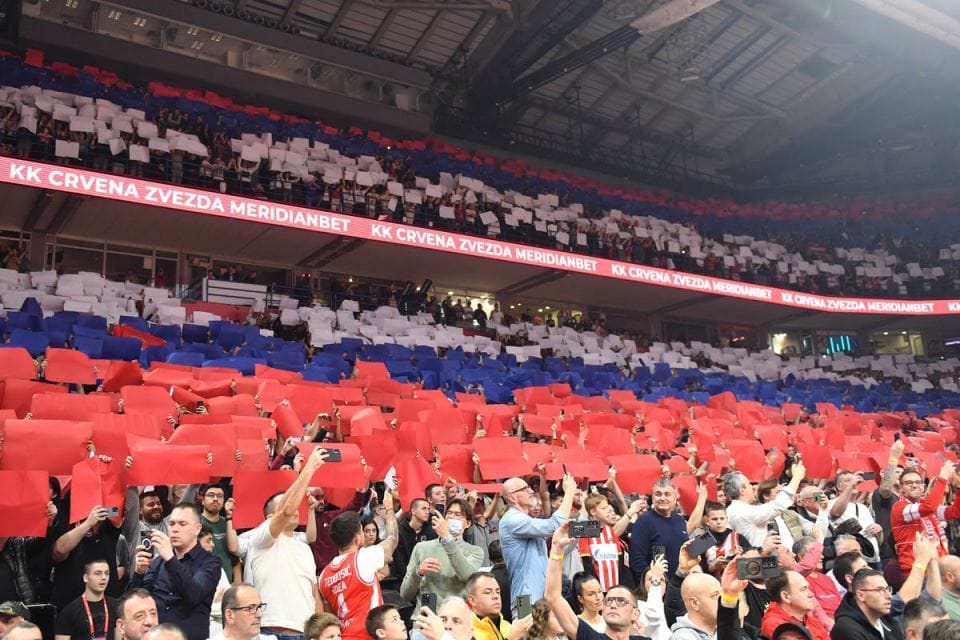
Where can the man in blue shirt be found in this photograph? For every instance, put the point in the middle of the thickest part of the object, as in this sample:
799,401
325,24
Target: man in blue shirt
181,575
522,538
661,526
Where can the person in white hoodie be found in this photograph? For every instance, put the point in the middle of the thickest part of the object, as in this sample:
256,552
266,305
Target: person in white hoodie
701,594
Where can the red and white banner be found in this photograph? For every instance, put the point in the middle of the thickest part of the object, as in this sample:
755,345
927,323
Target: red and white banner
77,181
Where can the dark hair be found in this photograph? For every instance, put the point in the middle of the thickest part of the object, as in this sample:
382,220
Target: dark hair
712,506
942,630
460,503
429,490
778,584
413,503
579,579
345,528
89,563
910,470
476,577
230,599
765,488
921,609
130,595
843,567
375,618
189,506
369,520
496,553
860,577
267,504
204,531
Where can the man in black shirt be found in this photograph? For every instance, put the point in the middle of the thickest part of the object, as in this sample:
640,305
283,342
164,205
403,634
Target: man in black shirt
183,576
92,539
90,615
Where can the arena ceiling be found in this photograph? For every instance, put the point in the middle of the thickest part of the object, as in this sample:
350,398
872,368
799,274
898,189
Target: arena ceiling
746,93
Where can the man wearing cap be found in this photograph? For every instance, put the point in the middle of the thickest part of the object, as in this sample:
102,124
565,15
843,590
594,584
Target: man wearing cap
793,602
12,612
90,615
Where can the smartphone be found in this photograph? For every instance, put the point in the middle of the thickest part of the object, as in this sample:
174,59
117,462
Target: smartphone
700,544
199,404
145,541
868,475
113,512
321,436
658,550
334,455
523,606
429,600
564,467
585,529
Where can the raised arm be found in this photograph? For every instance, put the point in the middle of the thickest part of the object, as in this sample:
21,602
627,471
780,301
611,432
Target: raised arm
889,476
391,536
553,592
925,556
617,493
292,497
843,500
696,515
66,543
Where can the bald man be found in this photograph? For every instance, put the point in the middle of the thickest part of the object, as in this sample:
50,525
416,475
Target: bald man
22,630
456,618
522,538
700,593
950,575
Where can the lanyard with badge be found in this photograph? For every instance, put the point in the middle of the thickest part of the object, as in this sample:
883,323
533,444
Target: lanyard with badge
106,619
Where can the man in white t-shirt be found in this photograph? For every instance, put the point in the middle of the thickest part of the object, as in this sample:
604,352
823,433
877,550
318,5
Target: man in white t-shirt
845,506
350,585
279,566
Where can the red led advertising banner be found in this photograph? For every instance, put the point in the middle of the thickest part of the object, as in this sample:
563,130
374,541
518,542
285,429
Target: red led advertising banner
179,198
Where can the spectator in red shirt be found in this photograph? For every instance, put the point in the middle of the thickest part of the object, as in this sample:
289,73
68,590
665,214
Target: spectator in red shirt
793,602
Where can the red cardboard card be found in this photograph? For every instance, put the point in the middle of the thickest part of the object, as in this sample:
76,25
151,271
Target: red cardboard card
53,446
23,502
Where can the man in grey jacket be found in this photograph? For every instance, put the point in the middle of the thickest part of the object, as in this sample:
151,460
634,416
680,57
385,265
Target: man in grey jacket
700,593
442,566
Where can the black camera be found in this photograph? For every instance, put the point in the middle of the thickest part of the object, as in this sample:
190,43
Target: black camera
585,529
758,569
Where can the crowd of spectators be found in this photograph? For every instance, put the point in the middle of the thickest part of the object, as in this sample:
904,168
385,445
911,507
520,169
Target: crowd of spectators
898,264
849,556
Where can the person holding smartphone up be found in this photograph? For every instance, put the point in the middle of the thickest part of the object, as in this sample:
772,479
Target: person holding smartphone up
522,538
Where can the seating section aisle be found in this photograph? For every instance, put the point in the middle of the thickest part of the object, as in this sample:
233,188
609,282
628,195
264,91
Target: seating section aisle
62,113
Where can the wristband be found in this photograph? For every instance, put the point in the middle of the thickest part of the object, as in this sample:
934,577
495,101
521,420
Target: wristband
917,565
894,461
730,599
556,556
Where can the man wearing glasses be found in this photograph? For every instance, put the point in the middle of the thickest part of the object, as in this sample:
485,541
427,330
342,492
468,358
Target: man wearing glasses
224,535
619,605
915,513
242,613
522,537
864,613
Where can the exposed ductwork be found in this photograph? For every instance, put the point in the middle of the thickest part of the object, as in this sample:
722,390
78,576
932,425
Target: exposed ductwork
670,14
920,17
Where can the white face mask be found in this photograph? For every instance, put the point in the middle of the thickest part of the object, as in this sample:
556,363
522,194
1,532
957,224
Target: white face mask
455,527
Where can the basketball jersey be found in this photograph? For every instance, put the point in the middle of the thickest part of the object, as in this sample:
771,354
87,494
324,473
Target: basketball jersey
605,552
350,594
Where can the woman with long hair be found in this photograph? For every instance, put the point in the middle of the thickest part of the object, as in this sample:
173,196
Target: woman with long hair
544,625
